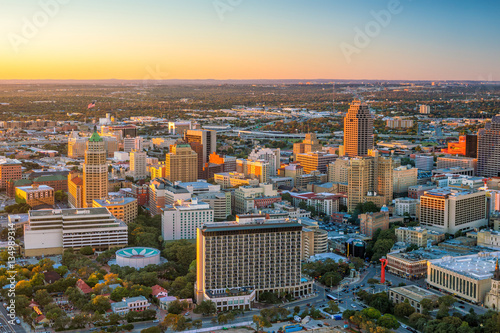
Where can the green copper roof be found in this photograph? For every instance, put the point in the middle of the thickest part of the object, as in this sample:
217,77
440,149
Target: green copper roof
95,136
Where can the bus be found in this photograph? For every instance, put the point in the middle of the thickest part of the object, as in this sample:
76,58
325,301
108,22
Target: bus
333,298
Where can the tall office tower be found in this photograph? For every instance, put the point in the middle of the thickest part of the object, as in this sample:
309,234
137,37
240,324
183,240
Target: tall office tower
236,262
207,138
138,164
317,160
358,130
358,181
95,170
471,145
449,210
181,164
198,149
270,155
254,169
309,144
488,149
338,170
425,109
9,169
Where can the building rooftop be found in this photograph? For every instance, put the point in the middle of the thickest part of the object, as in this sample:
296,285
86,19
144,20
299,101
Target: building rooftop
70,212
415,293
35,188
477,266
116,201
192,204
235,226
447,191
7,161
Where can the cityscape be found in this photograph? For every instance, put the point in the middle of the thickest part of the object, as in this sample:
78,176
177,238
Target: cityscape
159,174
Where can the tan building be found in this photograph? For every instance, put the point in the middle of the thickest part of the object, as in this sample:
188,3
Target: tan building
449,210
220,202
309,144
208,139
314,239
338,171
414,294
9,169
492,299
358,130
122,208
488,238
447,162
317,160
259,169
408,265
138,164
370,222
234,179
35,195
248,258
163,192
181,164
75,190
179,128
398,122
412,235
95,171
404,177
468,277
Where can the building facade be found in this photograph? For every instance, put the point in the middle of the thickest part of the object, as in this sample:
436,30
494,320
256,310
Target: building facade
35,195
181,164
358,130
309,144
95,171
488,149
180,220
138,164
122,208
370,222
9,169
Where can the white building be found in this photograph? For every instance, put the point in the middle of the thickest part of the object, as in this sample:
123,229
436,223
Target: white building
245,196
51,231
130,144
271,156
138,304
121,156
138,164
180,220
449,210
425,109
405,205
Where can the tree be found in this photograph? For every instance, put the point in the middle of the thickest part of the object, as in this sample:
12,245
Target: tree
388,321
403,309
331,279
358,263
119,293
260,322
175,307
371,313
443,311
447,300
206,308
296,309
222,319
197,323
101,303
286,196
153,329
427,305
87,250
333,307
24,288
42,297
302,205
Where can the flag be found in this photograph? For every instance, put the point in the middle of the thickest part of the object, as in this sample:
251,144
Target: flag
91,105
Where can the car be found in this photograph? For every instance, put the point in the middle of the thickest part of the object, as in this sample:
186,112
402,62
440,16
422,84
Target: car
308,304
461,302
404,326
354,306
156,321
462,307
187,313
320,325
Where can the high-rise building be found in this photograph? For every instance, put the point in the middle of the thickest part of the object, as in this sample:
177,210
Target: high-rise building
75,190
78,144
370,222
270,155
197,147
178,128
358,130
181,219
317,160
133,143
207,138
309,144
424,162
449,210
228,162
425,109
138,164
338,171
404,177
95,170
236,262
181,164
258,169
163,192
9,169
51,231
488,149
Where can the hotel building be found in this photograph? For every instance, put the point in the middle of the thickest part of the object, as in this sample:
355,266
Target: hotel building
316,160
181,164
180,220
370,222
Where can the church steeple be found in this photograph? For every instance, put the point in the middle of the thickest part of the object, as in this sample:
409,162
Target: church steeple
496,274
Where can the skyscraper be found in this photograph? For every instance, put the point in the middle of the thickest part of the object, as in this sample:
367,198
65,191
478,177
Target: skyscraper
138,164
358,130
181,164
488,149
309,144
207,138
95,170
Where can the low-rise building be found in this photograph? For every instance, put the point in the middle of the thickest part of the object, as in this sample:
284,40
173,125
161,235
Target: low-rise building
404,206
488,238
414,294
412,235
370,222
234,179
122,208
137,304
35,195
246,198
220,202
325,203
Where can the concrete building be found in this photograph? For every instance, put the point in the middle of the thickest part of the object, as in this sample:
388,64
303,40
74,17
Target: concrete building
454,171
179,128
270,155
236,262
181,164
488,149
404,177
207,138
163,192
446,162
405,205
425,109
413,265
358,130
412,235
415,192
468,277
75,190
95,171
9,169
51,231
338,171
314,239
259,169
492,299
133,143
234,179
246,198
449,210
35,195
181,219
309,144
138,164
370,222
398,122
220,202
317,160
326,203
122,208
414,294
424,162
488,238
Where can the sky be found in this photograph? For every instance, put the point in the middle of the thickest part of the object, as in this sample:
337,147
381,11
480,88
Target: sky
250,39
